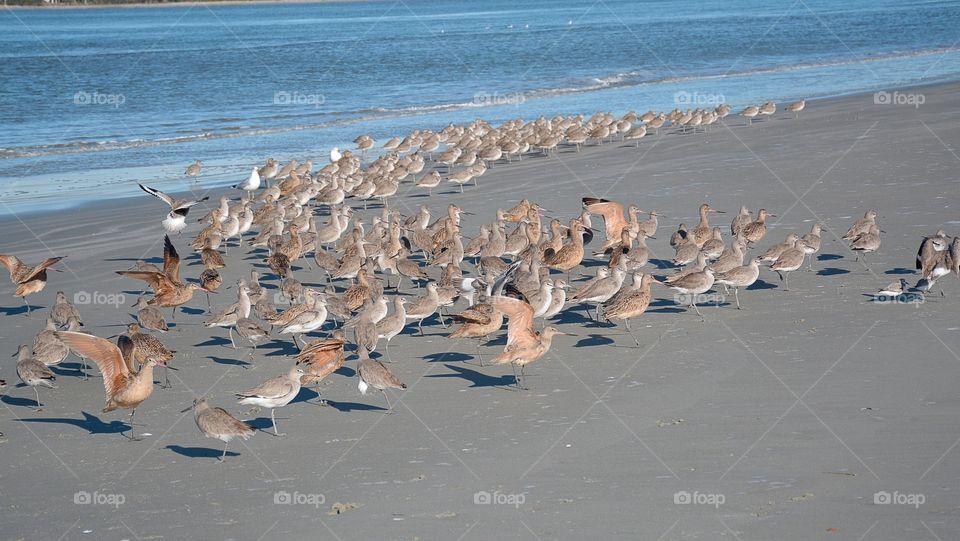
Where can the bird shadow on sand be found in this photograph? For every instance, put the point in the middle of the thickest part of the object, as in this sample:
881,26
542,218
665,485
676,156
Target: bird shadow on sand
68,370
306,394
900,270
199,452
192,311
353,406
829,257
90,423
283,348
661,264
214,341
832,271
477,379
452,356
18,309
230,362
154,260
18,401
593,340
761,284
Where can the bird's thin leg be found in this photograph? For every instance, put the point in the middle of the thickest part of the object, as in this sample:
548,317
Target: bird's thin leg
224,455
626,322
39,405
131,437
274,421
693,303
209,305
419,326
387,398
27,304
232,343
166,378
479,355
736,295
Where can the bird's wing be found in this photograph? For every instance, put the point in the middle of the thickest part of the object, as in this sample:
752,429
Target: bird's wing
479,314
158,194
171,260
272,388
40,268
520,315
11,262
156,280
182,206
125,345
611,211
107,356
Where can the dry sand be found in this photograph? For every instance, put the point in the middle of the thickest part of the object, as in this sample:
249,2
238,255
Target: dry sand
794,412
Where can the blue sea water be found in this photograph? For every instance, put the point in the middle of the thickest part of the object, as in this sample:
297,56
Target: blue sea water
94,100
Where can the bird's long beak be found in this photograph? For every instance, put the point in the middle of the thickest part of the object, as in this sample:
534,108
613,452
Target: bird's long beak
186,410
168,367
717,211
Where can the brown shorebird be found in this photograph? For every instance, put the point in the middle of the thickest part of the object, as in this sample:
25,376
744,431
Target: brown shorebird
150,317
194,169
423,307
738,277
894,289
374,374
750,112
274,393
124,388
702,232
251,330
632,304
47,348
614,219
392,324
29,280
740,221
796,107
789,261
168,289
811,243
176,220
229,316
693,285
755,230
865,243
679,236
321,357
217,423
861,226
524,345
774,251
479,321
571,255
63,310
928,252
147,347
32,372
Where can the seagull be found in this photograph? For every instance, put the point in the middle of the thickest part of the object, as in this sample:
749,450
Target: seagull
335,155
251,184
176,220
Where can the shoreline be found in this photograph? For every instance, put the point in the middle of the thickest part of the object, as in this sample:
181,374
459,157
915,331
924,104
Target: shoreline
112,200
186,3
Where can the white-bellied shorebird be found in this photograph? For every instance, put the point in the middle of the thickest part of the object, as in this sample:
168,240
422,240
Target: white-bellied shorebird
29,280
251,184
218,424
737,277
693,285
631,305
789,261
176,220
32,372
274,393
63,310
373,373
194,169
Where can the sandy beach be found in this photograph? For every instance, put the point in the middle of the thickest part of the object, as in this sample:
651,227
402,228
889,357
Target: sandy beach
796,418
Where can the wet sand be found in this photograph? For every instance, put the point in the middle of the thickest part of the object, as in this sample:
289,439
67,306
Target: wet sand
780,421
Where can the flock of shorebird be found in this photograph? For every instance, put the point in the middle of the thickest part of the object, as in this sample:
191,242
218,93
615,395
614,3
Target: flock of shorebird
524,263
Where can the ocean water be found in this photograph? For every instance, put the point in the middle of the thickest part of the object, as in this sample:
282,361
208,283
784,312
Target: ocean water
95,100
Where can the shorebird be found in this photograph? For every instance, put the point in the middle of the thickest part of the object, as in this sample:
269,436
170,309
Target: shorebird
274,393
811,243
862,225
63,310
571,255
124,388
740,221
47,348
218,424
375,374
796,107
865,243
768,108
168,288
29,280
251,331
632,304
146,347
308,320
894,289
32,372
773,252
229,316
321,357
737,277
150,317
479,321
524,345
789,261
927,254
423,307
392,324
750,113
693,285
176,220
251,184
194,169
614,219
702,232
755,230
598,291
